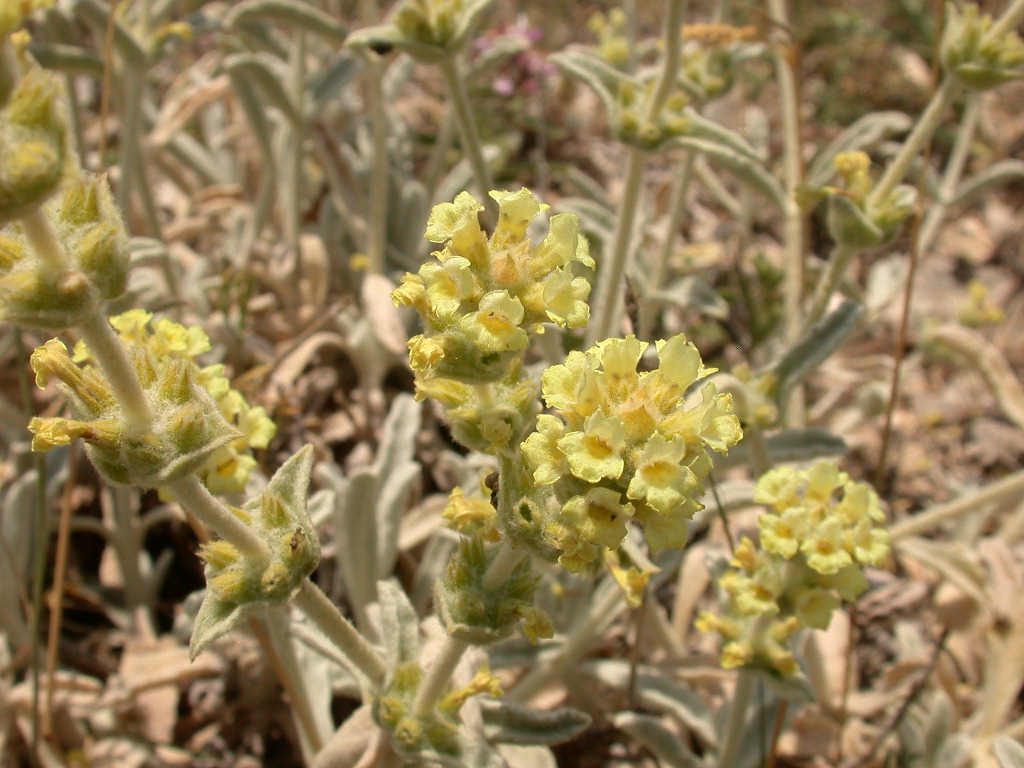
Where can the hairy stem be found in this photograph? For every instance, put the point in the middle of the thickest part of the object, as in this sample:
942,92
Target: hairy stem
606,318
376,235
915,143
211,512
312,601
733,735
455,83
439,676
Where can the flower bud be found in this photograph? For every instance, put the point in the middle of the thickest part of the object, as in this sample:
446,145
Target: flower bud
469,611
969,54
237,586
34,152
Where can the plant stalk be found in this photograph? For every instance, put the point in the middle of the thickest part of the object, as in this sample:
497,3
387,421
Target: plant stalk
468,131
439,676
915,143
606,319
732,738
312,601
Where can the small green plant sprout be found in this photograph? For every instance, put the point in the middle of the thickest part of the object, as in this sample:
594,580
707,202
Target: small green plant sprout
820,532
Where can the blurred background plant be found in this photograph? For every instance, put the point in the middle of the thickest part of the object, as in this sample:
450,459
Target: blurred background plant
276,162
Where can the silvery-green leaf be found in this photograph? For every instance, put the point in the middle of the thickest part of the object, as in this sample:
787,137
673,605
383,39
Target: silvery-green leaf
664,694
469,14
72,59
849,224
790,445
513,724
865,133
604,79
820,341
217,617
266,73
1008,752
997,174
328,83
290,484
399,624
384,38
708,130
956,751
131,51
747,169
293,12
649,731
357,545
693,292
657,692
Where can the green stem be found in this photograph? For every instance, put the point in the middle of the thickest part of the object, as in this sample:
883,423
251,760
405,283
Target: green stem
468,132
1008,22
732,738
296,135
608,308
953,173
127,535
836,267
276,623
608,602
502,566
376,240
44,240
915,143
793,169
439,676
134,176
211,512
606,319
668,76
677,210
110,353
312,601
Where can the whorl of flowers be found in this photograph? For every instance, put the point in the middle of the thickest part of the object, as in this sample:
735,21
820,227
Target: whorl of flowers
822,529
483,297
624,445
228,467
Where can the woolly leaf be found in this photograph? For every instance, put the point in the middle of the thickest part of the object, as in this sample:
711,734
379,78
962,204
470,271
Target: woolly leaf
820,341
512,724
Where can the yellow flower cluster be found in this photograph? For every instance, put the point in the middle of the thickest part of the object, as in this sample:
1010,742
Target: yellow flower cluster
228,467
821,531
624,445
482,298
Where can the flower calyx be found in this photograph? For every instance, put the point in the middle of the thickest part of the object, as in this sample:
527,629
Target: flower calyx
55,294
35,153
976,58
238,584
480,615
428,30
851,221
